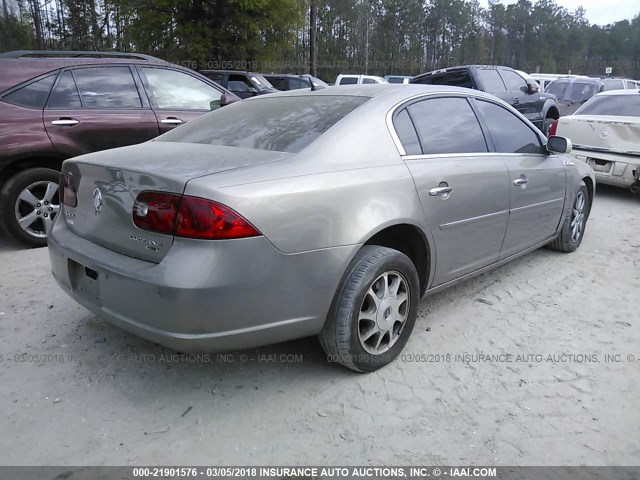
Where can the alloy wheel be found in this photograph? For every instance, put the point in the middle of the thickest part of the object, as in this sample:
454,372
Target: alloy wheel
578,216
384,312
36,207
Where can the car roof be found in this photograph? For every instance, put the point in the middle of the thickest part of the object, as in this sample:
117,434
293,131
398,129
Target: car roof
393,91
627,91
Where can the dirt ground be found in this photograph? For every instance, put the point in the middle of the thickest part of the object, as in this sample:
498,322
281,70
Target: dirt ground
536,363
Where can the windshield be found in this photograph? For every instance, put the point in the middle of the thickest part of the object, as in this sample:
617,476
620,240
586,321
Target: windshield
613,84
282,124
615,105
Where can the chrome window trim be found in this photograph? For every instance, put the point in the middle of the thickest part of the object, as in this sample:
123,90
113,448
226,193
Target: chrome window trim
429,156
472,94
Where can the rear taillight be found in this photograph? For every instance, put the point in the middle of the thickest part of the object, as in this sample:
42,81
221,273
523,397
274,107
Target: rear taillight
67,191
189,217
156,212
552,128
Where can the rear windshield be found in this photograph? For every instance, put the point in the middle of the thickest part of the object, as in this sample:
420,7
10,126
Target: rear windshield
281,124
575,92
613,84
456,78
615,105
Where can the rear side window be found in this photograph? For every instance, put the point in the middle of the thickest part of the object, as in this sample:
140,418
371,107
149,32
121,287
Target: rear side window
615,105
558,88
407,133
278,82
509,133
447,125
348,81
107,88
492,80
284,124
65,94
33,95
583,91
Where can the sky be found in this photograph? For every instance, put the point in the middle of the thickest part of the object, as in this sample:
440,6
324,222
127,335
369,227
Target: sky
599,12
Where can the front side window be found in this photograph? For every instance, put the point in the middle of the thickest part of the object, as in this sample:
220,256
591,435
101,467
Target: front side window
447,125
514,82
368,81
33,95
615,105
510,134
175,90
297,84
65,94
107,88
492,80
281,124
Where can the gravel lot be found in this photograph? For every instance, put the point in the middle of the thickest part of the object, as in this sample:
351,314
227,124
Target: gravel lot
76,391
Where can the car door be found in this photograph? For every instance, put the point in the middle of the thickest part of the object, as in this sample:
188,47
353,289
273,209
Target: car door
526,103
178,97
536,178
97,108
493,83
463,189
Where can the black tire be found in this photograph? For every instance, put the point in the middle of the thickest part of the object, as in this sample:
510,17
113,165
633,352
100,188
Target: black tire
9,194
340,337
566,241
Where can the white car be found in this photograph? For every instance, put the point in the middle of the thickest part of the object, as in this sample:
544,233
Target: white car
358,79
605,133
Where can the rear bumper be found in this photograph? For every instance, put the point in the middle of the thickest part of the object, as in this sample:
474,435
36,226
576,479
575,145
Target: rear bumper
610,168
204,296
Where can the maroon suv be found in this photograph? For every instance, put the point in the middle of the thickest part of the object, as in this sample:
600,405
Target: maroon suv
57,105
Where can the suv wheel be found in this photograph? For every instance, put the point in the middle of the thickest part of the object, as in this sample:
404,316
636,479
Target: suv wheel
29,203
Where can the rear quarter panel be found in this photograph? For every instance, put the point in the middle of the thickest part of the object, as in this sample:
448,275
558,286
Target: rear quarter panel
341,190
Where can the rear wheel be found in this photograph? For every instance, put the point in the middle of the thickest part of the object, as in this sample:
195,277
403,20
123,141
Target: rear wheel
375,310
29,203
574,224
546,125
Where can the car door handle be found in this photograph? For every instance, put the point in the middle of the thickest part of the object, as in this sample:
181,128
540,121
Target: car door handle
441,191
521,182
171,121
516,101
65,122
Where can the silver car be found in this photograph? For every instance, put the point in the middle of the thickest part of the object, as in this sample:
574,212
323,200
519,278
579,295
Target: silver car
303,213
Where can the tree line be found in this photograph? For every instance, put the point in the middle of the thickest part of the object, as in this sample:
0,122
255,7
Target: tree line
328,37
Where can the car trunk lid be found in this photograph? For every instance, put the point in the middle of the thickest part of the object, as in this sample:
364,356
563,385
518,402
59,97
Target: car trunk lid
608,133
108,183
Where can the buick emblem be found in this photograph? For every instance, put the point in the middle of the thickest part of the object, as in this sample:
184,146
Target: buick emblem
604,134
97,201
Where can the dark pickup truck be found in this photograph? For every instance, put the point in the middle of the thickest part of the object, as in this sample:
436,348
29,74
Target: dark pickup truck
523,94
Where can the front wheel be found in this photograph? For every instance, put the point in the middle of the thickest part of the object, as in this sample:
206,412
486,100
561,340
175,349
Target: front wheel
29,203
374,311
574,224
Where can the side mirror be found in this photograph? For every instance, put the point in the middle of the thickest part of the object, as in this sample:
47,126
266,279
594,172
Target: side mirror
226,99
530,88
557,144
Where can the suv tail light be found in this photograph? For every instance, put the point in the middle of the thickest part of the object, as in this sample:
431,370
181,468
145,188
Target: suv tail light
552,128
67,191
189,217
